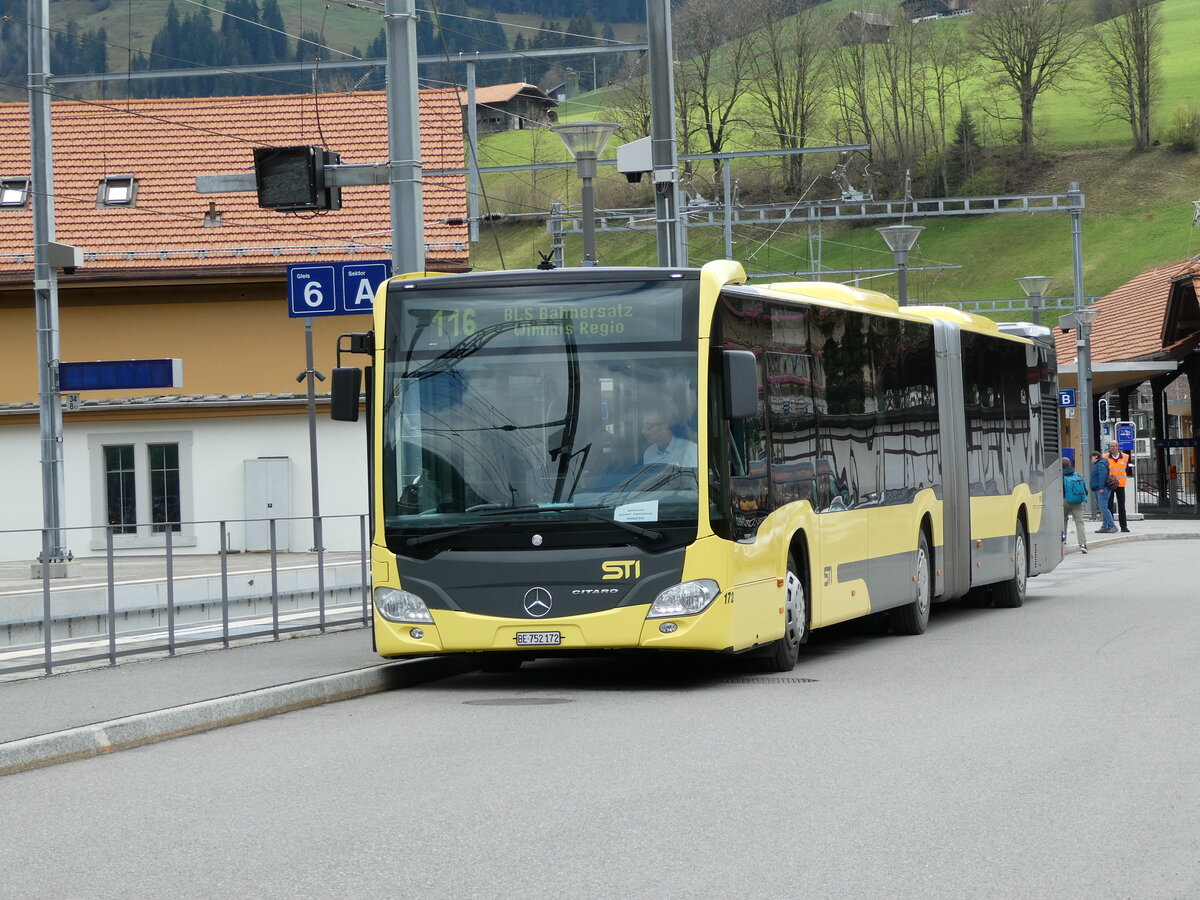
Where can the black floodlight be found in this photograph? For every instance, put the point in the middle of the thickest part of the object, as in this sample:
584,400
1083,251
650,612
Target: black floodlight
292,179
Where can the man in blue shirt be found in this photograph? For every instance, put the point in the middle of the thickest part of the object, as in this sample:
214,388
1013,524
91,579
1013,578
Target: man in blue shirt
666,447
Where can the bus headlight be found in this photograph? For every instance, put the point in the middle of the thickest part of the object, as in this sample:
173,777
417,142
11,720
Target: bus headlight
685,599
401,606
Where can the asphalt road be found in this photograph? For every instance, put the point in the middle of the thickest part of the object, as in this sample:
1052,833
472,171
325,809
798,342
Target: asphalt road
1048,751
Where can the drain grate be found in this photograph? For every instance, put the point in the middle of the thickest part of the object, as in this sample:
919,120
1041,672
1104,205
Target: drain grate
518,701
746,680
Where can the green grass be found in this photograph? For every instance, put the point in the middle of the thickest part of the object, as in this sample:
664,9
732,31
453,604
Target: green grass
1068,119
1138,215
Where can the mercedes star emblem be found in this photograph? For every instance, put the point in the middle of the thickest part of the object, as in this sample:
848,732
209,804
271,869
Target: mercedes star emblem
538,602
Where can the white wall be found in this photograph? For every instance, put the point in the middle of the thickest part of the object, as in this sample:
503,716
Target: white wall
214,487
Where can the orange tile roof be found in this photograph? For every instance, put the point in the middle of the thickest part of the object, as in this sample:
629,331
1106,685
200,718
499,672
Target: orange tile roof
502,93
165,144
1129,324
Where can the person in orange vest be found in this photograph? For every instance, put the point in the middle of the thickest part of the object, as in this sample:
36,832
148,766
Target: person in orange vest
1120,466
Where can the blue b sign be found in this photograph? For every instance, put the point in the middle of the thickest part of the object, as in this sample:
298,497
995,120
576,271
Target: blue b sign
1066,397
335,289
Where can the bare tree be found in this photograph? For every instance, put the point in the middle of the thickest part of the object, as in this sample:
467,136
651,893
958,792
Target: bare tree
900,78
1128,51
789,74
850,66
1033,44
629,105
713,52
951,66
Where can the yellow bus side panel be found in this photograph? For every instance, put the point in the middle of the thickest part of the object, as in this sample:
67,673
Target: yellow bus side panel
996,516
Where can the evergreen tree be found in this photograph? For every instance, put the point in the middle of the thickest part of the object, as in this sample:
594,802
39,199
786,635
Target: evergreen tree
517,67
200,37
377,49
165,49
277,41
964,153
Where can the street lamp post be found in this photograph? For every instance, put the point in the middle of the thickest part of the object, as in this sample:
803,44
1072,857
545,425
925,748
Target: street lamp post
1083,346
585,141
1035,287
900,239
1082,320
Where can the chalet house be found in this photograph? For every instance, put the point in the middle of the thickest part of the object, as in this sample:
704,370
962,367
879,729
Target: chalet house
509,107
173,273
1145,352
860,27
934,9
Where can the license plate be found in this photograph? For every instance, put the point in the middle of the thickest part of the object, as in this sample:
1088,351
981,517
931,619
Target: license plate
538,638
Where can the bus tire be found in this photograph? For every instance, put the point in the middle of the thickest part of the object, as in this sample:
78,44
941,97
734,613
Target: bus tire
1011,594
913,618
781,655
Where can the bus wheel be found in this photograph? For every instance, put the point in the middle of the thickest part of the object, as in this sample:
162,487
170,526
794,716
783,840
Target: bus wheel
912,618
781,656
500,662
1011,594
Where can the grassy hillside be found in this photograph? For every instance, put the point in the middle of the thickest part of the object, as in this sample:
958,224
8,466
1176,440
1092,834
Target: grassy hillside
1067,118
1138,215
1139,206
134,23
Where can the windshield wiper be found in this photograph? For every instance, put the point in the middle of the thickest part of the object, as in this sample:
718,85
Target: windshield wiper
445,533
592,512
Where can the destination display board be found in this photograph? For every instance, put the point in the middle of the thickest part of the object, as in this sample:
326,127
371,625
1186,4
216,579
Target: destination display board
641,313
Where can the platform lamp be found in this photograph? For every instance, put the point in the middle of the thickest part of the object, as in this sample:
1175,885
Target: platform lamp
900,239
1083,321
585,141
1035,287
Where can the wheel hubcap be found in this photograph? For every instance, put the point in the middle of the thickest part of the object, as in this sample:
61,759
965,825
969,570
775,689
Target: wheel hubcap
1022,568
794,603
922,582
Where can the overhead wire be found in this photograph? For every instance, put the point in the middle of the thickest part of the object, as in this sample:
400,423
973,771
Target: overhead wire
474,157
320,44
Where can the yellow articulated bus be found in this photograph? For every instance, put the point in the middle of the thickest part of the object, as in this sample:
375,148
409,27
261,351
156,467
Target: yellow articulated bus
591,459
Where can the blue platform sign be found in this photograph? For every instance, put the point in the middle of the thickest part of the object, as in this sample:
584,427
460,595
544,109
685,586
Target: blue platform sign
120,374
1066,397
335,289
1126,435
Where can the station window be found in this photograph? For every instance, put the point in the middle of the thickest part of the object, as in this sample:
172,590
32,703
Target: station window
142,487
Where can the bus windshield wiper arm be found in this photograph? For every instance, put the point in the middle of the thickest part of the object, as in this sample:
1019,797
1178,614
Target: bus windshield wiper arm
445,533
650,533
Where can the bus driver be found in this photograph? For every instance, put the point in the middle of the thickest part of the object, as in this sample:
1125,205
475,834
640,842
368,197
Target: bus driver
666,447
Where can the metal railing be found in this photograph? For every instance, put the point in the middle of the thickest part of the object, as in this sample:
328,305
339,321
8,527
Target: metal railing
1179,498
134,600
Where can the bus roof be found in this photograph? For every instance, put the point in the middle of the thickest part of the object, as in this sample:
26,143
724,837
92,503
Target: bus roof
833,294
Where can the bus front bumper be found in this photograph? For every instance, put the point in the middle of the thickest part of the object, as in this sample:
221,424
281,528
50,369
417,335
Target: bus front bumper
613,629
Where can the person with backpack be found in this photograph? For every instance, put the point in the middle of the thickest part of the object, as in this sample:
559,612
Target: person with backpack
1098,482
1074,494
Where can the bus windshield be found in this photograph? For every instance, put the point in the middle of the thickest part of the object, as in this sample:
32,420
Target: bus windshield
561,406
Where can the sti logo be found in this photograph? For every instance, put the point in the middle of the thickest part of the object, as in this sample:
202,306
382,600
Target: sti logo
621,569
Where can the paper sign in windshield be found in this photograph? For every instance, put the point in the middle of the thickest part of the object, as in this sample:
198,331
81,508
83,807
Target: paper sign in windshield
645,511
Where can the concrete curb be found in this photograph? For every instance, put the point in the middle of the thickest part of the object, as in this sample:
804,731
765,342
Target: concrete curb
1102,540
205,715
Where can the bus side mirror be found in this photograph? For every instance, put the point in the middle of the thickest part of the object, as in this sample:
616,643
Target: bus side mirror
345,387
741,384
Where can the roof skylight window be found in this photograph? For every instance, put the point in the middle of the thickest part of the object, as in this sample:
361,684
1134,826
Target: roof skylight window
117,190
14,192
